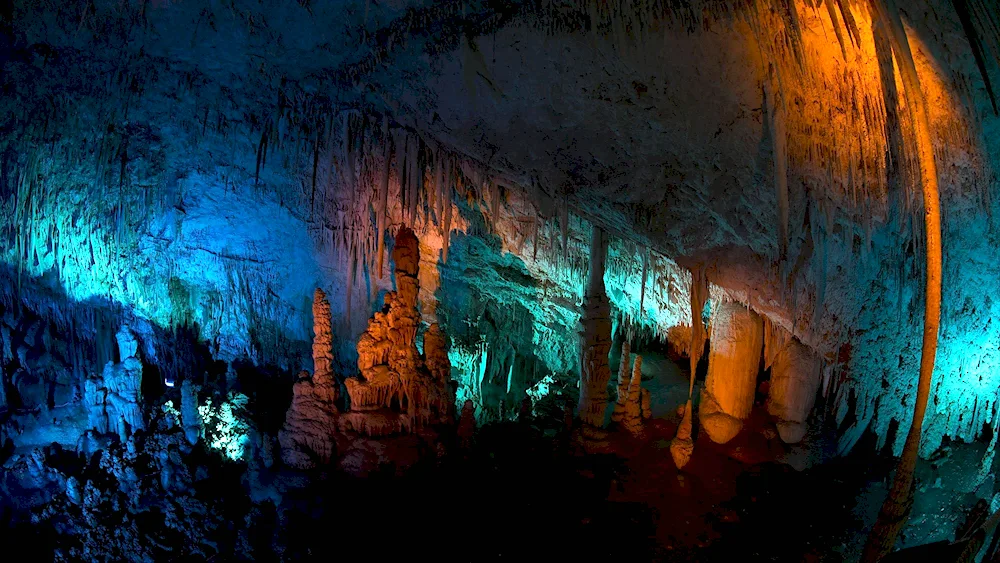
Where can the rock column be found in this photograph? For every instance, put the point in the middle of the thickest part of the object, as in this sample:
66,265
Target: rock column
733,364
795,380
595,340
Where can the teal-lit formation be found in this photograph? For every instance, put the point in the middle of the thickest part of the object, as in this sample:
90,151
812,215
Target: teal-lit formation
226,426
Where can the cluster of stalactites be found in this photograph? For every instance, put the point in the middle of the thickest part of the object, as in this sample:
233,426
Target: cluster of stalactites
384,176
396,382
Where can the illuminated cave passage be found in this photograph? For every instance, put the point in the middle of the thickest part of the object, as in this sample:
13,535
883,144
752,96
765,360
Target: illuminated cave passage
695,280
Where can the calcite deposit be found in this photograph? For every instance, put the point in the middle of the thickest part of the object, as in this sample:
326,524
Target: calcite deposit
595,341
733,360
307,438
399,389
491,196
796,376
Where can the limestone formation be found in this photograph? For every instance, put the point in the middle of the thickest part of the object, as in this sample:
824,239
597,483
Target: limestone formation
682,446
733,362
307,438
796,373
190,418
123,382
647,411
400,390
633,409
95,396
324,384
623,383
595,340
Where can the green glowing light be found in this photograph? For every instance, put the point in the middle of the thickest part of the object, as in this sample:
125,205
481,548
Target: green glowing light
226,428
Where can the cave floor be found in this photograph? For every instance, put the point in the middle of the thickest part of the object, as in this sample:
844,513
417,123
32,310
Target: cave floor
518,492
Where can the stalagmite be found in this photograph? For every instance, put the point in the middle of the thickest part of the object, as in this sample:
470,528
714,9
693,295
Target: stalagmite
124,385
595,342
306,439
733,362
190,418
324,384
400,390
95,396
682,446
647,411
796,374
633,408
623,382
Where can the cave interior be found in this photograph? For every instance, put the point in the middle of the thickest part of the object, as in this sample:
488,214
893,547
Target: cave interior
652,280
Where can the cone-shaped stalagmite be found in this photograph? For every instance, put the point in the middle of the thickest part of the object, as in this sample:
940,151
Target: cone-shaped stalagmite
595,340
307,436
633,408
733,362
623,382
323,380
795,380
399,389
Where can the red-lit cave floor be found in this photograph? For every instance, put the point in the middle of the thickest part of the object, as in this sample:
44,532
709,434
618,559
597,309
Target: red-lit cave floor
758,499
521,494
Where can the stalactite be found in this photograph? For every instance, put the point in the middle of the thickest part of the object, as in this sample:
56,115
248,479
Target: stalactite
446,222
381,212
779,148
682,446
642,289
895,510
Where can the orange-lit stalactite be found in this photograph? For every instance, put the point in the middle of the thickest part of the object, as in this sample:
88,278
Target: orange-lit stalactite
895,510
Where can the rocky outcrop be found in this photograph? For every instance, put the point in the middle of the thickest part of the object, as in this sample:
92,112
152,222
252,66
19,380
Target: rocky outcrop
398,389
307,438
595,340
733,364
